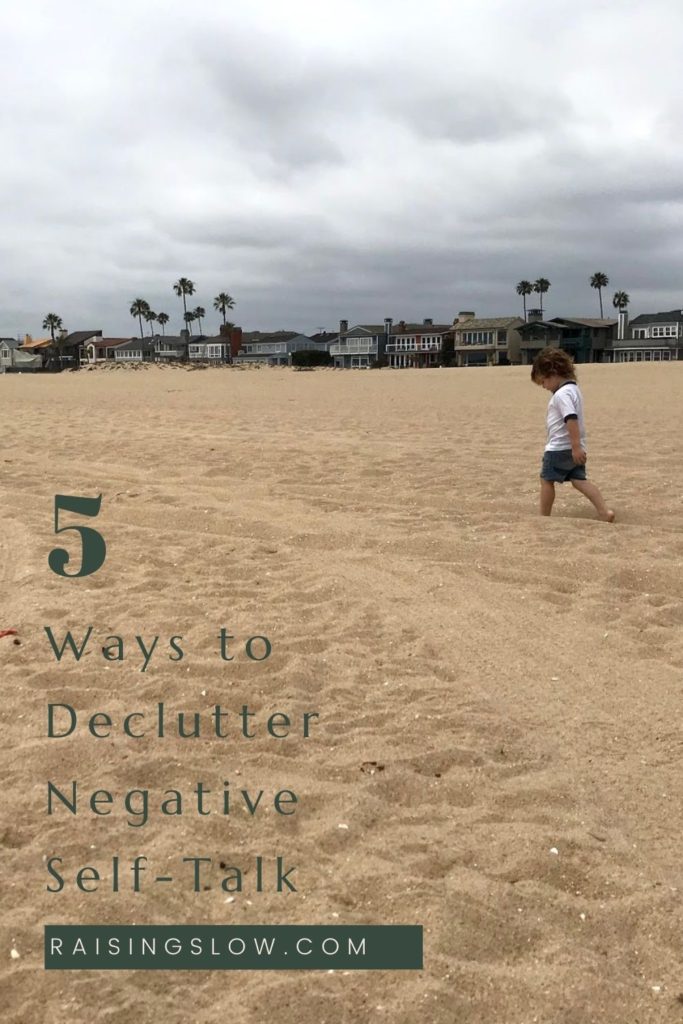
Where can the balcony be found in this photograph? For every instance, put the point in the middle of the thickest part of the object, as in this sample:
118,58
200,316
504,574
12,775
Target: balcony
354,346
470,346
412,346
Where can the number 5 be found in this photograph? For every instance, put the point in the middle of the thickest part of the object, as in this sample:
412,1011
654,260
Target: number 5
94,548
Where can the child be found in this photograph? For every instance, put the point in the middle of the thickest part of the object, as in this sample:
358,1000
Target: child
564,457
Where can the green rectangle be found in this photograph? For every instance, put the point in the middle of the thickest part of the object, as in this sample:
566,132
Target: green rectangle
203,947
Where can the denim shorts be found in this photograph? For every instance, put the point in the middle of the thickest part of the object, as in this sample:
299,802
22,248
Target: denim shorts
560,466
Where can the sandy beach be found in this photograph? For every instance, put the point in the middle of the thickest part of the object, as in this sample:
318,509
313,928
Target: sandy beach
498,694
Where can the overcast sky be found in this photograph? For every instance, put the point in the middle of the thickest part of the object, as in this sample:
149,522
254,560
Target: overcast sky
332,160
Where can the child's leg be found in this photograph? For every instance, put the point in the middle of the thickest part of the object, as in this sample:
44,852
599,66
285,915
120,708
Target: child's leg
595,497
547,496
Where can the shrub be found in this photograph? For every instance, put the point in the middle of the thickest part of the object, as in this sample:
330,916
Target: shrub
311,357
448,351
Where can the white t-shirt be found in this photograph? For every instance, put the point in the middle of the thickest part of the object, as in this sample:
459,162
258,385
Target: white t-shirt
565,403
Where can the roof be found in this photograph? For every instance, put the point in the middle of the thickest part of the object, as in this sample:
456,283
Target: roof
370,328
259,335
561,324
276,336
30,346
324,335
585,321
10,342
490,323
109,342
79,337
421,328
144,344
675,316
553,325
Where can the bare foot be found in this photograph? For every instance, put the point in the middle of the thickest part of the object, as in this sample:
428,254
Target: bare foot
609,518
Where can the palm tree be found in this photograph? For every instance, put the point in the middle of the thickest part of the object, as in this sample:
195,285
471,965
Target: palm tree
189,317
198,313
52,323
541,286
621,300
223,302
150,316
599,281
138,308
162,318
524,288
183,287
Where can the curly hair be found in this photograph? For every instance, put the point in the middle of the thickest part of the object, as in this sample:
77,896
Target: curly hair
551,361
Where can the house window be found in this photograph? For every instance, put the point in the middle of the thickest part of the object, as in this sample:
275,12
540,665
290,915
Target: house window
478,337
668,331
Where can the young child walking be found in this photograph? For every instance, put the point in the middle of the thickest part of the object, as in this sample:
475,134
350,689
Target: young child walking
564,457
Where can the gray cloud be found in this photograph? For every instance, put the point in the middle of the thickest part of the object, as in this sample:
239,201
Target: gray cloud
364,161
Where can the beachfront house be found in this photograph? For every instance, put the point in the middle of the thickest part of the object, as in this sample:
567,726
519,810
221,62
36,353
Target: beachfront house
7,347
209,350
68,351
275,349
485,341
650,337
360,346
171,347
416,345
101,350
14,359
137,350
72,348
585,339
37,347
324,339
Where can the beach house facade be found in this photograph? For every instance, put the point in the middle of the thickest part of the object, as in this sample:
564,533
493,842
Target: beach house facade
324,339
415,345
275,349
209,350
360,346
101,350
15,359
68,351
585,339
651,337
138,350
485,341
170,347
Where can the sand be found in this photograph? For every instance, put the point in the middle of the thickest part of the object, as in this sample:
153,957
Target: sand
517,678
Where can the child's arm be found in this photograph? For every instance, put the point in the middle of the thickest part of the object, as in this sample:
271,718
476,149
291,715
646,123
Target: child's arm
578,454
